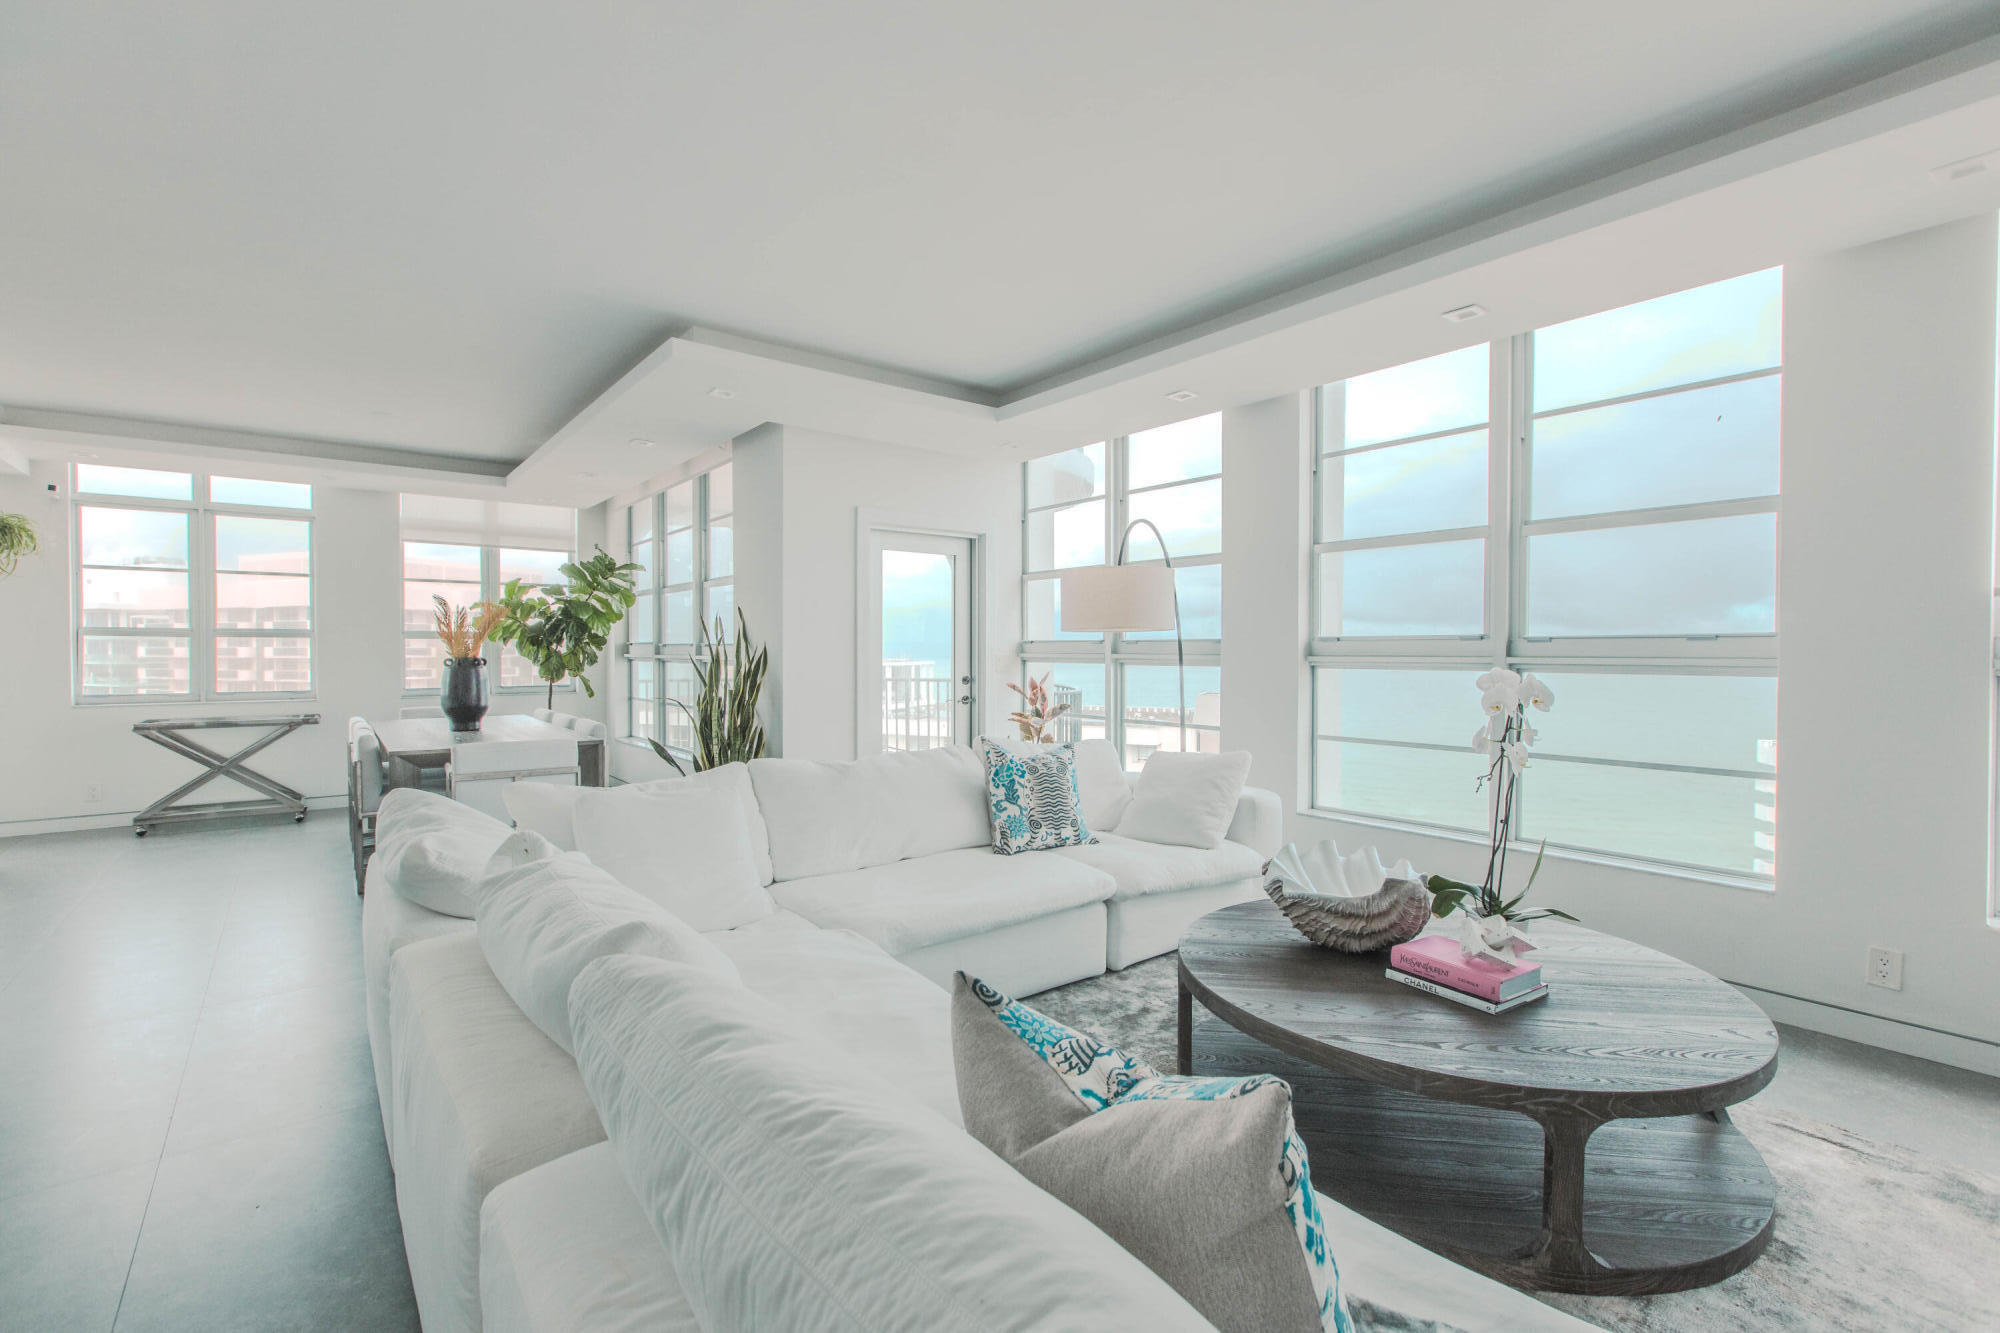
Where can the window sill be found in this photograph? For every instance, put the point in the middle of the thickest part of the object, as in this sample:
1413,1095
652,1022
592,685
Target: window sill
1664,869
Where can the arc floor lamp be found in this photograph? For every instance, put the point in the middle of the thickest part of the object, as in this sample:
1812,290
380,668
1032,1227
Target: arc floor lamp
1128,599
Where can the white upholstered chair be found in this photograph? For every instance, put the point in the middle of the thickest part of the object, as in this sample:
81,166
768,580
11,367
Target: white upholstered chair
367,777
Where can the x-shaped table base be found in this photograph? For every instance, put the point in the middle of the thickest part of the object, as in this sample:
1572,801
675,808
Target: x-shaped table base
277,797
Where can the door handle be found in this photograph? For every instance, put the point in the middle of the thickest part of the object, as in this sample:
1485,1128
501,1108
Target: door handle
965,698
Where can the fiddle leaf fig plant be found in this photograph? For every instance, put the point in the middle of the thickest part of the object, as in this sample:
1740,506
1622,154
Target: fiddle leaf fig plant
561,629
17,538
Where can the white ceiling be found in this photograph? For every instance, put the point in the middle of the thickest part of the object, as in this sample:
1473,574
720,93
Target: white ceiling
448,228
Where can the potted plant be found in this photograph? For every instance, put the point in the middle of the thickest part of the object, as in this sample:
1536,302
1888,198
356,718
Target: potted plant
1490,916
561,629
17,538
462,691
731,677
1040,711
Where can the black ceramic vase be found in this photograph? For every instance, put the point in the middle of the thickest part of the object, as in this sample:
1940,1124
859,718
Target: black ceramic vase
463,693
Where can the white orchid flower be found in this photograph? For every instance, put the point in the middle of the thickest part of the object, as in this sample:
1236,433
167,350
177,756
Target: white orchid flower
1517,754
1498,701
1496,726
1536,691
1528,734
1482,743
1496,677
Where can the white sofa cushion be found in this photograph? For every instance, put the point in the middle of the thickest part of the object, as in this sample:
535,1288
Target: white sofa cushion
907,905
1186,799
1140,868
791,1195
565,1248
685,847
550,811
479,1094
1102,785
434,848
388,922
827,818
843,991
540,924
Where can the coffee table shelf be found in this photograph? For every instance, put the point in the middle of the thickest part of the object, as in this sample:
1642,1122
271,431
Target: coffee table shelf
1576,1144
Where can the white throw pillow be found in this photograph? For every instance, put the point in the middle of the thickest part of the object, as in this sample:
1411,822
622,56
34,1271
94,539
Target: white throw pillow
1101,782
1186,799
546,809
434,850
683,846
542,923
520,848
827,818
551,811
791,1192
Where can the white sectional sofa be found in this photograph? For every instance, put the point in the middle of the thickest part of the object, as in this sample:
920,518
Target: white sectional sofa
519,1215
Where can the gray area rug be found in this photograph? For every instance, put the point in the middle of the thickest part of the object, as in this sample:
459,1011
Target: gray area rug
1868,1236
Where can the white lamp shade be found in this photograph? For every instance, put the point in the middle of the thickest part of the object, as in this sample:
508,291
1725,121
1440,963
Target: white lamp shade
1117,599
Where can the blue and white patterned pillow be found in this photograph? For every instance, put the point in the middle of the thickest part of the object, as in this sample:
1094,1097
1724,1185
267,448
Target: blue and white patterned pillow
1033,798
1102,1076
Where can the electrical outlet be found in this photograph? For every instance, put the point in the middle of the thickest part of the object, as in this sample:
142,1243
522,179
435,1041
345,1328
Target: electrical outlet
93,791
1885,968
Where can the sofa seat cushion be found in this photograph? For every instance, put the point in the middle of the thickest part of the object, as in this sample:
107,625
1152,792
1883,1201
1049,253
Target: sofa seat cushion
565,1248
790,1194
388,922
886,1022
1140,868
478,1095
908,905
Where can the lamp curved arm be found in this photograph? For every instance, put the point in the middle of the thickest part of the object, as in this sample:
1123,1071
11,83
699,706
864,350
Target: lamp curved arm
1180,644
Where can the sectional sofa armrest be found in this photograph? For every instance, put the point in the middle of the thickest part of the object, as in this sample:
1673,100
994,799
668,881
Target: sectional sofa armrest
1259,821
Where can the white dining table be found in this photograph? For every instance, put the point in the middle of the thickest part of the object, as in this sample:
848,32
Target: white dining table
411,744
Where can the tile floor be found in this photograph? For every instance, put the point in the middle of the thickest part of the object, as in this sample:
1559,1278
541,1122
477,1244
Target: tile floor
189,1137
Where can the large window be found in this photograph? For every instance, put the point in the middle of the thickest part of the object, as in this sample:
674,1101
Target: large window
191,586
682,539
464,575
1619,538
1076,505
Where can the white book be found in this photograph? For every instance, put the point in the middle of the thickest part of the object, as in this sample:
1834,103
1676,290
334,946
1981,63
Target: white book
1470,1001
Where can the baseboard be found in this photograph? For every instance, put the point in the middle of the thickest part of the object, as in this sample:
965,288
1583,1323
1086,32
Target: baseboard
21,828
1946,1048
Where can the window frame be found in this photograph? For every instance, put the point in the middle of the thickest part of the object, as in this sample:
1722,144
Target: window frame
657,653
1502,642
202,632
489,590
1114,652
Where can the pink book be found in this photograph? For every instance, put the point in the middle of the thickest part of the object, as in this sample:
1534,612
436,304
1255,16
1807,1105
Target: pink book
1438,958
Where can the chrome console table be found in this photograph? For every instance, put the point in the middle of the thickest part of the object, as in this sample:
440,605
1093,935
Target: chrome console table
277,798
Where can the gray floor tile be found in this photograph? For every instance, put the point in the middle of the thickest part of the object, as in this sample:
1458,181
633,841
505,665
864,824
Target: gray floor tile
78,1102
262,1064
64,1252
292,1230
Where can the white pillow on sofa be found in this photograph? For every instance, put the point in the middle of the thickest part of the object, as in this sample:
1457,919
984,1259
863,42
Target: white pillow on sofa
551,811
681,845
1102,785
434,850
792,1193
543,922
1186,800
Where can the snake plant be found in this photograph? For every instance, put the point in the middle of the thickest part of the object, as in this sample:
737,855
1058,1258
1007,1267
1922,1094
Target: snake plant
731,676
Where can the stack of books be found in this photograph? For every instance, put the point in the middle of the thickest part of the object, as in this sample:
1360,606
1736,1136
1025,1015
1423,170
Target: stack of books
1436,964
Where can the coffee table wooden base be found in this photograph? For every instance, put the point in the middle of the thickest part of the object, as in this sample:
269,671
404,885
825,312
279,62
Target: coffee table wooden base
1625,1208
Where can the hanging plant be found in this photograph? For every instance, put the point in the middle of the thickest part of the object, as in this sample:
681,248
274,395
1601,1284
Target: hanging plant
17,538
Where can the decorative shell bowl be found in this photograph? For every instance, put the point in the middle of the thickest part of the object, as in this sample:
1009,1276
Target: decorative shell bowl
1349,903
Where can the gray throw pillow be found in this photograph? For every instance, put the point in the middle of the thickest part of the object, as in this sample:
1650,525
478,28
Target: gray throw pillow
1204,1180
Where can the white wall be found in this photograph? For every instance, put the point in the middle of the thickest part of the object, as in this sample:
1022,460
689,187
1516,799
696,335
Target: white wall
61,748
798,495
1885,601
64,749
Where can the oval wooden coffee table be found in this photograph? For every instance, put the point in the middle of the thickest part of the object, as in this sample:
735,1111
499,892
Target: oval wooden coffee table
1576,1144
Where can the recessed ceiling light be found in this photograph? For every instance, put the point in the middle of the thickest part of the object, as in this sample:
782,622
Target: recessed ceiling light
1465,312
720,392
642,444
1966,167
1182,396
